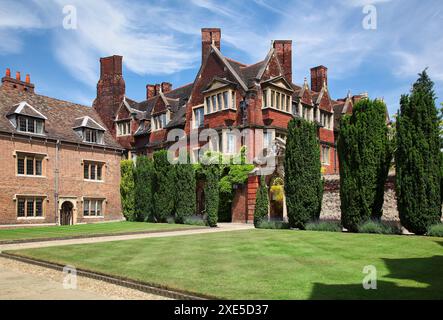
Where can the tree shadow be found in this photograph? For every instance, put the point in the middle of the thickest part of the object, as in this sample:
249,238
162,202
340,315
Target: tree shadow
427,271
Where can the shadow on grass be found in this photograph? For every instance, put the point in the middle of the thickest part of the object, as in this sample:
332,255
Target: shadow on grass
428,272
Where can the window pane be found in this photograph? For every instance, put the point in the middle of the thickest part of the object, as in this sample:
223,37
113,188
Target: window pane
86,170
22,124
99,208
93,167
29,207
21,208
30,166
214,103
31,125
272,98
94,136
225,100
99,172
93,203
38,167
219,101
233,100
21,165
265,98
38,207
39,128
208,105
86,208
231,143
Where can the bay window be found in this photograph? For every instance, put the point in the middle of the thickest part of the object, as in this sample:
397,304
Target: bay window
220,101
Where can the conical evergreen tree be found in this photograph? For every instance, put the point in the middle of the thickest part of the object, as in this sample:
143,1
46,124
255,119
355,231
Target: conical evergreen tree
185,192
143,181
418,158
164,196
261,203
303,181
127,188
365,155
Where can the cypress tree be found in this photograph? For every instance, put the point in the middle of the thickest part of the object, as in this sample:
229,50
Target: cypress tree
212,174
418,158
261,203
365,155
185,192
143,183
303,181
164,196
127,186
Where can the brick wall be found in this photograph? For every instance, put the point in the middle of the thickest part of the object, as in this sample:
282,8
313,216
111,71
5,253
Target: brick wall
71,183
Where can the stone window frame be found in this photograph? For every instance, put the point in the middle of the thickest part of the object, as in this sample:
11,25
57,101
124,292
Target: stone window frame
97,164
36,123
278,100
328,155
326,119
44,199
99,136
194,121
123,128
157,122
96,200
35,157
225,99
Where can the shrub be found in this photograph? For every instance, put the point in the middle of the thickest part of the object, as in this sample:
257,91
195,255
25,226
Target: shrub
170,220
261,203
324,226
418,158
303,181
194,221
185,184
265,224
164,196
365,155
143,181
373,226
435,230
127,187
212,194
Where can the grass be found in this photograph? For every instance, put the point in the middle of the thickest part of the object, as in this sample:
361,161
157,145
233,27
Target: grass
269,264
32,233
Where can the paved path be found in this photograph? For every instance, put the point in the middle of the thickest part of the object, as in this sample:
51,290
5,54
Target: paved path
20,280
222,227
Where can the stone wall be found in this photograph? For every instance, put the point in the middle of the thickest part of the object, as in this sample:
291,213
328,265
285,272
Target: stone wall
331,199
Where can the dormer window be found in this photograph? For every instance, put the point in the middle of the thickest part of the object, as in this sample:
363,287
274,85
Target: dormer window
25,118
123,128
89,130
159,121
219,101
31,125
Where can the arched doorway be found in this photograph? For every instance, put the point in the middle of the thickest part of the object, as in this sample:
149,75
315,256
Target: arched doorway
66,213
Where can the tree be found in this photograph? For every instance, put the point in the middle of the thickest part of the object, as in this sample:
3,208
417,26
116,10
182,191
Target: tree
418,158
144,179
261,203
212,174
185,183
127,188
365,155
164,196
303,181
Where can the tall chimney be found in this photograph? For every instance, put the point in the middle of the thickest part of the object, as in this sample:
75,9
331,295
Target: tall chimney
166,87
210,36
110,90
283,50
28,78
8,73
17,76
150,91
319,76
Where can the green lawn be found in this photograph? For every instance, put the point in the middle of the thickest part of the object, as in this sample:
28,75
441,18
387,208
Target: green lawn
85,230
269,264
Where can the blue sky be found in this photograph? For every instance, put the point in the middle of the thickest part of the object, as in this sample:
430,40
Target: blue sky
160,41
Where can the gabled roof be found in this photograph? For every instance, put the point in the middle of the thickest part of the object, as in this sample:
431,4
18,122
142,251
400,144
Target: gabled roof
218,83
275,80
25,109
61,116
87,122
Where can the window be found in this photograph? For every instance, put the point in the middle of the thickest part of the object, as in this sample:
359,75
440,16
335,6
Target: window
268,137
28,207
325,155
93,136
199,116
230,143
277,100
31,125
29,165
92,171
159,121
295,110
220,101
124,128
92,208
325,120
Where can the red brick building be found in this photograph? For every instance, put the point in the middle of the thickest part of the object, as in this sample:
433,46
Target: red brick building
60,163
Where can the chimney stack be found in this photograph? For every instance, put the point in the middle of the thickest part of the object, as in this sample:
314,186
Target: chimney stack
283,50
166,87
210,36
150,91
319,77
17,84
158,89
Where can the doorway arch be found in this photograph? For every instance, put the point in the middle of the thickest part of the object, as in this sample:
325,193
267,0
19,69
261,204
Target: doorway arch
66,213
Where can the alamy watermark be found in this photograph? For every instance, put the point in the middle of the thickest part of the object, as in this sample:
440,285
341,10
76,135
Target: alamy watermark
69,277
370,19
370,280
70,17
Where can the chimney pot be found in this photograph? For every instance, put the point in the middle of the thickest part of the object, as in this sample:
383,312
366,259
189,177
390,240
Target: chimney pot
150,91
8,73
28,78
17,75
166,87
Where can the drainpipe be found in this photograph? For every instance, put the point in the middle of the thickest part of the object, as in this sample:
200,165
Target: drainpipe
56,172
